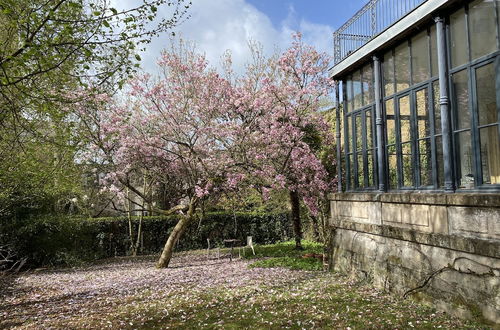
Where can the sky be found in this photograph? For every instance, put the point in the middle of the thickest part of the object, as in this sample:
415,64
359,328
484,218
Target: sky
219,25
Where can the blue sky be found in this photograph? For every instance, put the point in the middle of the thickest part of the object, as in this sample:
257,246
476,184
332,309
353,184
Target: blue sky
329,12
219,25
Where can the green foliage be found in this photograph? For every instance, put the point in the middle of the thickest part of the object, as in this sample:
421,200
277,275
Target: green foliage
63,240
51,50
284,254
286,249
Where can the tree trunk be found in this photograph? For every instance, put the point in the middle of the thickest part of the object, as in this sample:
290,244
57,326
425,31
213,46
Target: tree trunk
176,233
315,228
297,226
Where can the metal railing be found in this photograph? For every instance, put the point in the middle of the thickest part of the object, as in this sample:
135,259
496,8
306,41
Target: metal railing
375,17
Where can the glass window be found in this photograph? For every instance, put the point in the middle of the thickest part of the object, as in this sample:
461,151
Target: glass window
434,61
488,115
392,163
361,172
461,91
404,118
359,133
351,167
407,163
486,95
391,121
388,73
440,161
349,133
369,135
402,67
482,28
420,58
425,161
349,94
422,105
357,91
490,154
464,153
437,108
458,38
371,169
367,85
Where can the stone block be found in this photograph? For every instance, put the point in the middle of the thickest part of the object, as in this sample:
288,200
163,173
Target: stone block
391,213
471,221
438,219
417,215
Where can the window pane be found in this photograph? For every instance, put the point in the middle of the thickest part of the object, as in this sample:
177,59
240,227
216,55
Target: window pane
367,85
461,99
490,154
407,165
404,118
359,133
424,149
371,170
422,105
391,120
458,38
361,175
369,135
351,168
393,166
349,95
357,92
482,28
464,152
486,95
440,161
402,61
349,134
420,57
388,74
437,108
434,61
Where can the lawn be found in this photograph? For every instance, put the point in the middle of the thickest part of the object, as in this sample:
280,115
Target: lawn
200,292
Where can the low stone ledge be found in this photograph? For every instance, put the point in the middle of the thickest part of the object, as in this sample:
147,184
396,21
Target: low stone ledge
483,247
481,200
358,196
412,197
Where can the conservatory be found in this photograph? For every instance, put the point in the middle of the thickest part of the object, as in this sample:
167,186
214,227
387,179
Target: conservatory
418,136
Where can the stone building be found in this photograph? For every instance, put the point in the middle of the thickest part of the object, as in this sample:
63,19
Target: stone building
418,135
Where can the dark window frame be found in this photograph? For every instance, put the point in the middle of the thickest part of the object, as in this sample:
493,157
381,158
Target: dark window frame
471,66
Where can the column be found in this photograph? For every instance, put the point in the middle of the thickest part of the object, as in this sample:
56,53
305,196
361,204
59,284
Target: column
379,122
444,102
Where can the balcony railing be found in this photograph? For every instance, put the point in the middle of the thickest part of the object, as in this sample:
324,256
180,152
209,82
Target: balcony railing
375,17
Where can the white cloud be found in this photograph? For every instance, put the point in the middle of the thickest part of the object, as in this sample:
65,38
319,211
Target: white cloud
218,25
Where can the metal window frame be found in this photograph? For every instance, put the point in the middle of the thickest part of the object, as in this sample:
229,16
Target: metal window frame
471,66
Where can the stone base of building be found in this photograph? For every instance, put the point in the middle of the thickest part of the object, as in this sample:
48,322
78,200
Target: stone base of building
442,248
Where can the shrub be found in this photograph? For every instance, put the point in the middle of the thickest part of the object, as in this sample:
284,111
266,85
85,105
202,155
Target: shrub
63,240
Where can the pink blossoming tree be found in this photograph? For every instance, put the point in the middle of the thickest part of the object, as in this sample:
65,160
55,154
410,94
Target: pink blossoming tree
210,134
290,130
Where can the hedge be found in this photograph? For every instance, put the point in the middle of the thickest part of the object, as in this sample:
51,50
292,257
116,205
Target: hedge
63,240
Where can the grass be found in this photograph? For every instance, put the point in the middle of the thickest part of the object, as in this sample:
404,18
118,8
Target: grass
323,301
201,293
285,255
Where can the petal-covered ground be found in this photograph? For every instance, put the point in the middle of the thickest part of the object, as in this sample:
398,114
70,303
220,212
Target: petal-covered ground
196,292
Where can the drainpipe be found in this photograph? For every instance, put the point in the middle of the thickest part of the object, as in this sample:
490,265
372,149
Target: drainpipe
379,125
444,102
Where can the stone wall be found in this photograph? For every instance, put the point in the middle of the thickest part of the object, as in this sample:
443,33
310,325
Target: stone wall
444,248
